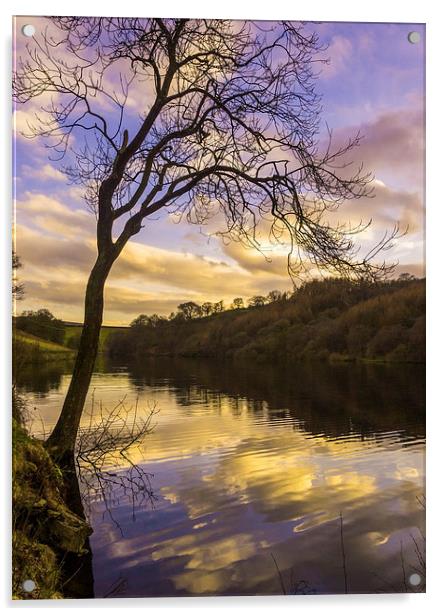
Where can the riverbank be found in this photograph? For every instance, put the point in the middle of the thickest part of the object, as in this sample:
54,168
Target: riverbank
46,533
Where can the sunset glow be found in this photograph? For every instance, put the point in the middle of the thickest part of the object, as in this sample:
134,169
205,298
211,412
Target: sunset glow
373,84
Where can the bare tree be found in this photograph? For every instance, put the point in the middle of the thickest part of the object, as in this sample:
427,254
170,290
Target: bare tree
227,125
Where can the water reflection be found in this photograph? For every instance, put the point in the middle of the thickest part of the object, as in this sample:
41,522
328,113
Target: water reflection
255,463
40,379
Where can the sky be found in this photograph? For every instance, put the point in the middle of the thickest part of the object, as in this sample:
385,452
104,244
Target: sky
374,84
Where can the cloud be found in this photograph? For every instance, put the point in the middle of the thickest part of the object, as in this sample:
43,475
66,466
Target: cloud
396,142
22,121
57,248
118,299
24,115
53,216
386,208
44,254
251,260
56,241
339,52
393,149
416,269
393,146
56,226
43,173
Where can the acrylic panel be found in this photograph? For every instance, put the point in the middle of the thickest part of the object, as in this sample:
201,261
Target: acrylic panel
219,308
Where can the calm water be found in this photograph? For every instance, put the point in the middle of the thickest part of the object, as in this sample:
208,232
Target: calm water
251,468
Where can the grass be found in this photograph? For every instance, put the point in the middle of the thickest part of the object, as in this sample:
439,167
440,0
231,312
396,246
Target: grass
106,330
45,346
33,349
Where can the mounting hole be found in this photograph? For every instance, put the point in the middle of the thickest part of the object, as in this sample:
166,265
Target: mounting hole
415,579
28,585
28,30
414,37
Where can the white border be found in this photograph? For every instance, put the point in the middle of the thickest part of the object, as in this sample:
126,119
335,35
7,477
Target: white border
321,10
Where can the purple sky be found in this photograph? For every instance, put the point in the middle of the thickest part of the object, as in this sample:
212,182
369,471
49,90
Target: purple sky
374,83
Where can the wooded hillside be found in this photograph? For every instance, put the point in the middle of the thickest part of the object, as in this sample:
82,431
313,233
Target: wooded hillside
329,319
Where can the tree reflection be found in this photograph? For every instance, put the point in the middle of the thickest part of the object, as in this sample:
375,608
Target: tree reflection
330,399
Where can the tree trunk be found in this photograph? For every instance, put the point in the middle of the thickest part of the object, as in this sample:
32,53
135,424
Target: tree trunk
63,438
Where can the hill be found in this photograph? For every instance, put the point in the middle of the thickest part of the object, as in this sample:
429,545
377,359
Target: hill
46,327
29,348
73,331
331,319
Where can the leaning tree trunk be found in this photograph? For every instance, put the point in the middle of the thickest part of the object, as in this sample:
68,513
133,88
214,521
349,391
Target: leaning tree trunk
63,437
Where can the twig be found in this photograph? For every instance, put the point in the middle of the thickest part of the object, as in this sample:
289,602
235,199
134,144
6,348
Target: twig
103,458
403,568
281,579
344,564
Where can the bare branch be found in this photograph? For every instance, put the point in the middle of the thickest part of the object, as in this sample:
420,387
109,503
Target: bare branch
104,456
228,120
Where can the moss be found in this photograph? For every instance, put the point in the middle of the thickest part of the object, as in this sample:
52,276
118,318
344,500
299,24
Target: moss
44,528
37,562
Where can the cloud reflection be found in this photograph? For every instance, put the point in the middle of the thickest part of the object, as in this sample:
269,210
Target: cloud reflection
237,480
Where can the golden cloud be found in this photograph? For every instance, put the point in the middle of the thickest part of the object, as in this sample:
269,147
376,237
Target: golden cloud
57,246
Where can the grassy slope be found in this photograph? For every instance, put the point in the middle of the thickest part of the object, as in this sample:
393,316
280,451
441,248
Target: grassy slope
33,347
74,330
45,346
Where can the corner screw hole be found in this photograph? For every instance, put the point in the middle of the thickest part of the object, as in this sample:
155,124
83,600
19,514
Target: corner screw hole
414,37
28,585
415,579
28,30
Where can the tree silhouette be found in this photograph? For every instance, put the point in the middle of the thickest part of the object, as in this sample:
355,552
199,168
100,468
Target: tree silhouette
18,290
274,296
207,309
218,307
256,301
238,303
190,310
41,323
201,118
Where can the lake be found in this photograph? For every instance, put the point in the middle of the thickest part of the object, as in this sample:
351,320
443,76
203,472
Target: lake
252,468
